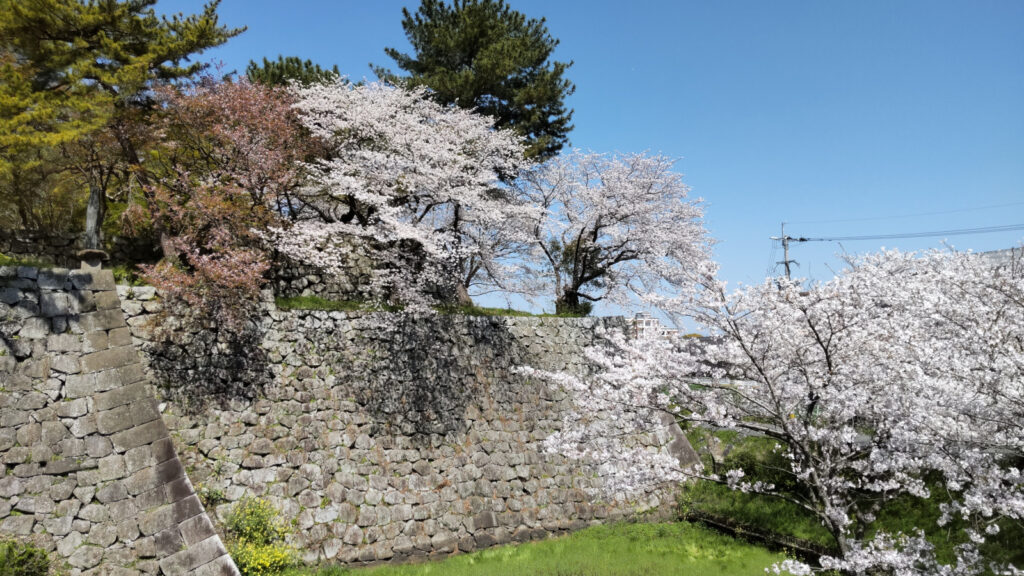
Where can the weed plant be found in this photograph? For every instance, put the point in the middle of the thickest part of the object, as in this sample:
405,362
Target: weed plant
21,559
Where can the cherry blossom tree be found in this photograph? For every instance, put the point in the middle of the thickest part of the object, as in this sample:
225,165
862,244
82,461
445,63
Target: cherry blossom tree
228,168
417,181
905,365
610,226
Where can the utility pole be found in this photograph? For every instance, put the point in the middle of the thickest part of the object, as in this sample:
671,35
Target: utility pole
785,248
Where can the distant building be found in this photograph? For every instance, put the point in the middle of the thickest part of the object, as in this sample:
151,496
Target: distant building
647,326
1011,259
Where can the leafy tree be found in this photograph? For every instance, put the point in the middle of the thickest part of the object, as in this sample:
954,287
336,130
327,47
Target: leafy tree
84,66
482,54
609,226
905,368
285,69
34,125
231,157
406,176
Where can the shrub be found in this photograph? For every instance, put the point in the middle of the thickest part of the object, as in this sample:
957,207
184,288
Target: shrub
255,520
256,535
261,559
18,559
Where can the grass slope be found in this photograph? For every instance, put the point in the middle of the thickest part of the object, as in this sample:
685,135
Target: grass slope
318,303
765,514
616,550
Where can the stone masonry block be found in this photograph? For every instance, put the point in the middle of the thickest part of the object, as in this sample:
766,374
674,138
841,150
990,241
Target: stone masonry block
73,408
153,498
84,299
187,508
120,396
163,449
157,520
168,542
139,435
193,556
66,363
10,295
52,278
170,515
143,482
34,328
196,529
179,489
117,377
220,566
107,301
63,343
101,320
56,304
154,486
96,341
144,411
115,420
169,470
79,385
112,492
93,279
109,358
120,336
138,458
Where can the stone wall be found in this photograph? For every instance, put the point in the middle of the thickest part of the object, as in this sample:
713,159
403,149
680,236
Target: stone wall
383,437
56,249
290,278
87,467
379,437
60,249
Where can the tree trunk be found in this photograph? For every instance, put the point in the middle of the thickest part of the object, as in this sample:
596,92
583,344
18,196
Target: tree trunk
94,212
462,297
569,303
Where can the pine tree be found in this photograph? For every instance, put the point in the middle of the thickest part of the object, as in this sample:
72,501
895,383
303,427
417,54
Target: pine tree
279,72
82,69
482,54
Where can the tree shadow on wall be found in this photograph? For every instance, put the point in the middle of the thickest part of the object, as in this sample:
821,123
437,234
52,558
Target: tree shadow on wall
419,375
198,364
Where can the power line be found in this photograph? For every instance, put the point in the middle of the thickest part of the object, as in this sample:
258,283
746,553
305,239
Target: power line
898,216
785,239
953,232
771,258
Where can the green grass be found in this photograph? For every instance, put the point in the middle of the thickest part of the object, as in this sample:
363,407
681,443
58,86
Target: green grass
772,515
126,274
318,303
484,311
615,550
752,510
29,262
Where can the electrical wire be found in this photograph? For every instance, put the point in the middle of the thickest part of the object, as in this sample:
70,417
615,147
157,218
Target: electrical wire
897,216
955,232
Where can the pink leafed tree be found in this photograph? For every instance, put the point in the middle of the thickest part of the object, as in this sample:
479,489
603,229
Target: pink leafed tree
229,166
904,367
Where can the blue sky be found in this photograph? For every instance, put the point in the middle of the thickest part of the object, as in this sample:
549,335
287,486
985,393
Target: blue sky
840,118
